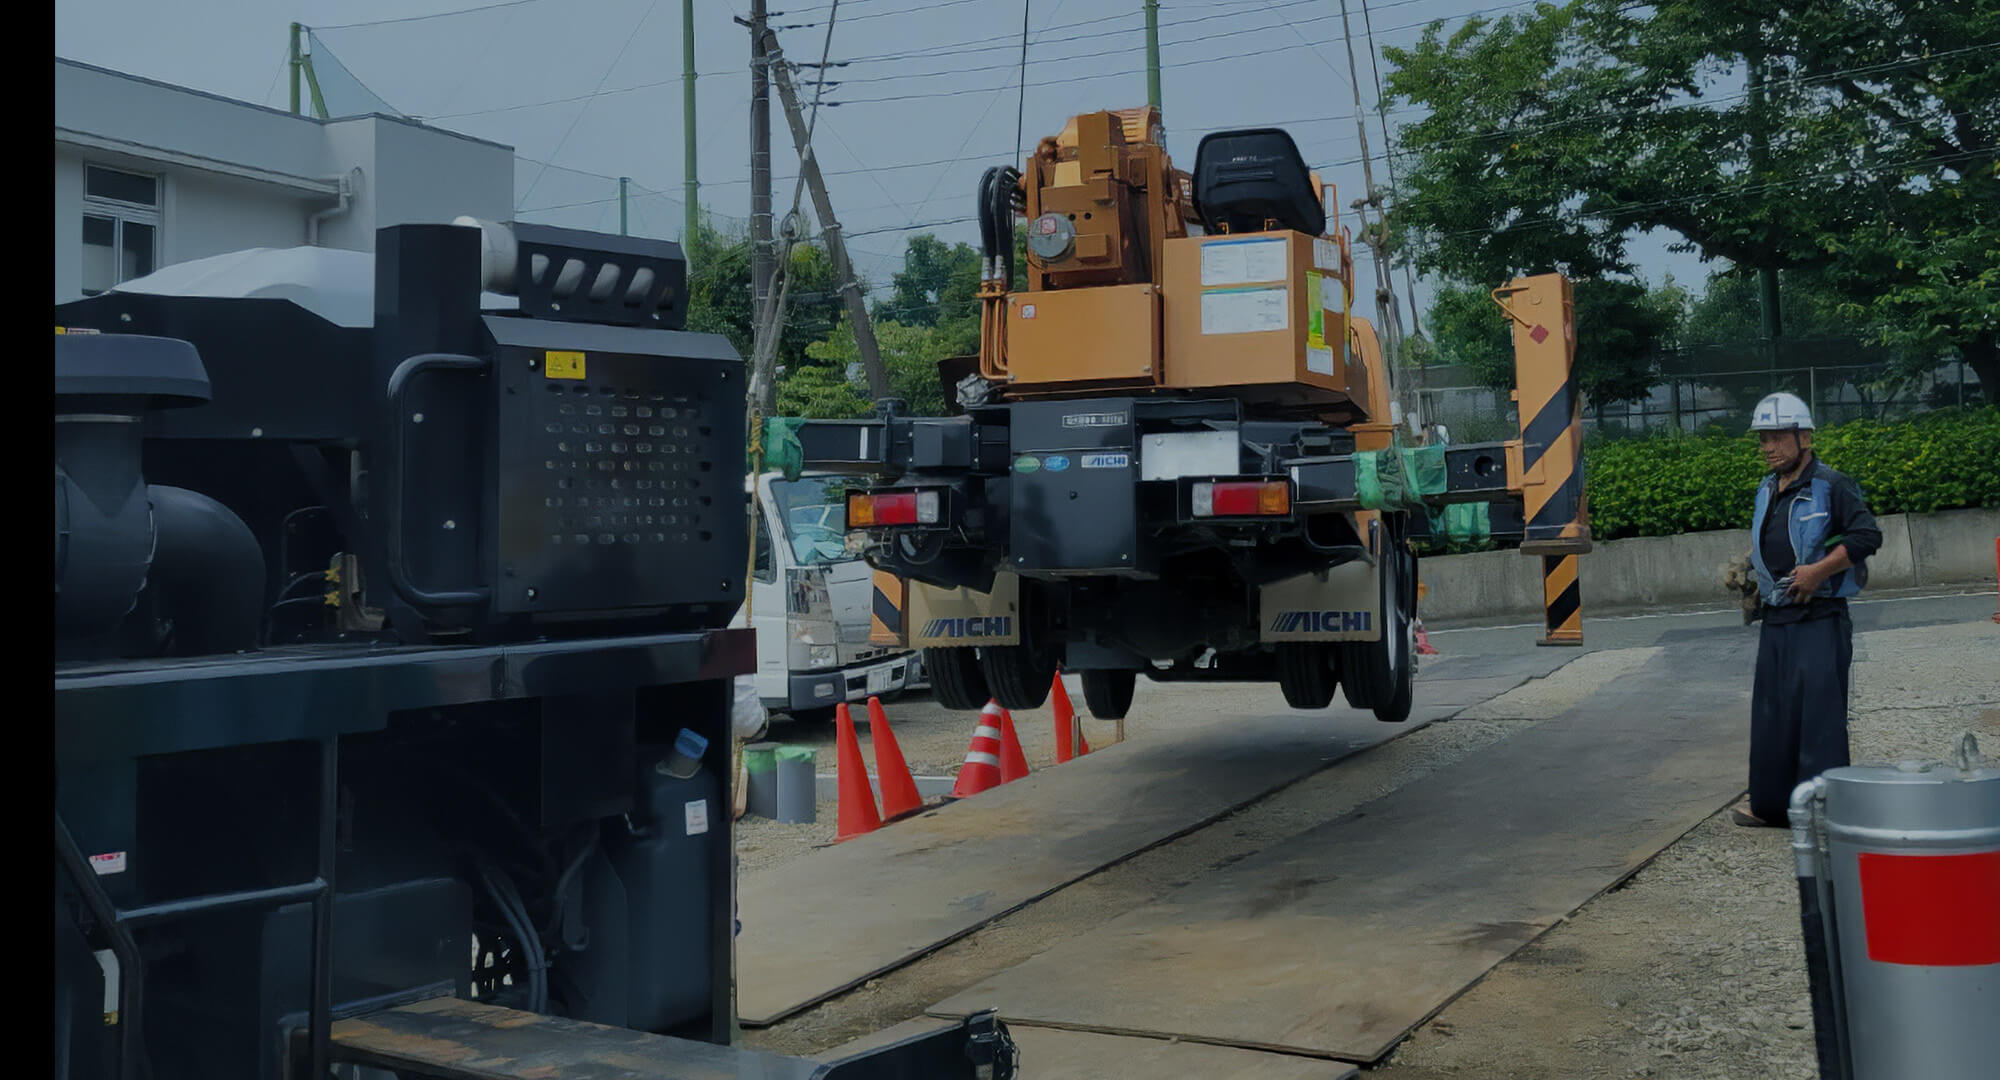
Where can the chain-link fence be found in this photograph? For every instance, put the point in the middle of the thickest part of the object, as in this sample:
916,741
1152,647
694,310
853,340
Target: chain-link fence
1711,386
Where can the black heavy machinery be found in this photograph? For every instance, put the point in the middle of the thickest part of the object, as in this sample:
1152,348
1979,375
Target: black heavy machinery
391,696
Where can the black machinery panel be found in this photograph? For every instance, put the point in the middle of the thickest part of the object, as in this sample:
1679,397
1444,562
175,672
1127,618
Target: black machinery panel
1075,489
619,452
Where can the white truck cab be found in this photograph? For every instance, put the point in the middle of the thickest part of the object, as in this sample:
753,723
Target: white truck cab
810,603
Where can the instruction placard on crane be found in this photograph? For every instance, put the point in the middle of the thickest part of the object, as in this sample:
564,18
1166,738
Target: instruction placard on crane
1244,311
1243,262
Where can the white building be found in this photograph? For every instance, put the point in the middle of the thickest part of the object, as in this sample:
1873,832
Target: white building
148,175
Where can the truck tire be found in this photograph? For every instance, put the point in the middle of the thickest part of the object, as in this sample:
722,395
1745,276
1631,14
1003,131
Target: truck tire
1018,676
1108,692
1376,675
956,681
1306,674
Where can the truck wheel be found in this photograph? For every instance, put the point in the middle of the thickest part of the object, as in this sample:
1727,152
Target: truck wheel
1305,674
1018,676
1108,692
1377,674
956,680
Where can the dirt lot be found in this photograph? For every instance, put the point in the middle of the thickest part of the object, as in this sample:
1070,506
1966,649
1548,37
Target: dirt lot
1692,968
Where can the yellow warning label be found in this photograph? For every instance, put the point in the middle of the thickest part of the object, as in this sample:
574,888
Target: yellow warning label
74,330
563,365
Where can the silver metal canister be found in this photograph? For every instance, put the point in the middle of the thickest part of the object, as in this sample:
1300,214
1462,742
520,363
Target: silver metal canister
1909,873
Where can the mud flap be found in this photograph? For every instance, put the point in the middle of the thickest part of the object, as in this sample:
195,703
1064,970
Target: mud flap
1339,604
956,618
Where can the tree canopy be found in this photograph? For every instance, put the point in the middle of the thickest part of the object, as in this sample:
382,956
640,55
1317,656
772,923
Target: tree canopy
1854,139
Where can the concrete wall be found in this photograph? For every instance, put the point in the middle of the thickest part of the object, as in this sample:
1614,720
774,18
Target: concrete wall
237,175
1952,547
209,215
69,227
423,175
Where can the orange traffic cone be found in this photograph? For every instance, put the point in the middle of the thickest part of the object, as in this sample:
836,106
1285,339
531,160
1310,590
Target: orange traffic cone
899,788
1013,763
857,802
982,762
1065,720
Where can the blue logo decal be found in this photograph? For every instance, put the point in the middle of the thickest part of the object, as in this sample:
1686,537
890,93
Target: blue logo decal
1320,622
1055,463
1107,461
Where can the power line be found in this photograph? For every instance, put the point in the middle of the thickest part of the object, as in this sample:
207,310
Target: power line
606,77
432,15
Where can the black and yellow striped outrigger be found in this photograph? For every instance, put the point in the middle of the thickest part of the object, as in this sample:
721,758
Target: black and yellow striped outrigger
1546,463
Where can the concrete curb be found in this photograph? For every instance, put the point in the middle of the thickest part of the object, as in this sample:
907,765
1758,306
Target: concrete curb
1947,548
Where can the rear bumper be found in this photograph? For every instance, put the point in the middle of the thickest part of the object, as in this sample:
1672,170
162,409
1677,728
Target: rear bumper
821,689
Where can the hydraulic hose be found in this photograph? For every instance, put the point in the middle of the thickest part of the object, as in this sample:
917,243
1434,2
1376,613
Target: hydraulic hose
987,247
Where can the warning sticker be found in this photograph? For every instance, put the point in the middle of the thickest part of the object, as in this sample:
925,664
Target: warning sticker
1326,255
562,365
111,862
1240,262
697,817
74,330
1319,361
1243,311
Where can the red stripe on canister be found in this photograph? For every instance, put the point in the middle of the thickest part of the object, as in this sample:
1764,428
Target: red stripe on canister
1932,910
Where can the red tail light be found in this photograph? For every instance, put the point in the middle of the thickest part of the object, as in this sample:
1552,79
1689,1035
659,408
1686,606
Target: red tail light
1245,498
865,510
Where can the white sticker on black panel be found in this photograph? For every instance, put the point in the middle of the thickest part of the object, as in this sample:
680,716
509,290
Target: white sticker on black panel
697,817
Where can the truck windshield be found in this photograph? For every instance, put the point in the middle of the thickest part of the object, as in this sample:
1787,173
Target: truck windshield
814,510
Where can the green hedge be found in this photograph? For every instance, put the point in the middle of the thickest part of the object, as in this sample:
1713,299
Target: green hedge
1663,485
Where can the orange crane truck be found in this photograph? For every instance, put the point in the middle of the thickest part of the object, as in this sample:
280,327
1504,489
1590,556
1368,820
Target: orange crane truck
1181,454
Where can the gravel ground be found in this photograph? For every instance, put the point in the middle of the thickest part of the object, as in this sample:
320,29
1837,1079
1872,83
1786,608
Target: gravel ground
1694,968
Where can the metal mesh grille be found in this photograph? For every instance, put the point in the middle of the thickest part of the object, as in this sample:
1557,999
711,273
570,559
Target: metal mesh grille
626,466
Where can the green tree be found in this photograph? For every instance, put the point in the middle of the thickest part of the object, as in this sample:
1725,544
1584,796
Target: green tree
1856,137
1727,311
1621,327
910,353
938,282
719,294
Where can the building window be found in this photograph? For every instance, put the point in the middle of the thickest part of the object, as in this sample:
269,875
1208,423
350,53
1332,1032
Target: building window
121,227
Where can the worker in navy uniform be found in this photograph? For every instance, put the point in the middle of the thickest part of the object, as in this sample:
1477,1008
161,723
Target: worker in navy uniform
1811,535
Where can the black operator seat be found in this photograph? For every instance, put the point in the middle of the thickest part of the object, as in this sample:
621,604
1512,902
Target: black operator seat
1244,178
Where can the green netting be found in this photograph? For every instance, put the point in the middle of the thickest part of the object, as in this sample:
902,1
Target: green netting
1379,479
797,753
781,446
1468,521
1423,469
760,757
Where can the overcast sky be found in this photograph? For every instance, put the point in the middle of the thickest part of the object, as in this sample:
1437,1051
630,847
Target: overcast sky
927,101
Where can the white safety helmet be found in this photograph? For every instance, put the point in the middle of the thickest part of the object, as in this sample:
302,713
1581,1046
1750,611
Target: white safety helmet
1781,412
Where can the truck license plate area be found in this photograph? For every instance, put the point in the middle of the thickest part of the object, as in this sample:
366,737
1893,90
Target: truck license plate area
1174,455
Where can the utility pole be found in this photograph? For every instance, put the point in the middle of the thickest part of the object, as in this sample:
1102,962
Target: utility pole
761,262
1153,54
1376,236
690,185
623,183
843,268
1771,318
296,31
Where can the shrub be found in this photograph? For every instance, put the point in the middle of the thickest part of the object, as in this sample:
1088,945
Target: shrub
1670,484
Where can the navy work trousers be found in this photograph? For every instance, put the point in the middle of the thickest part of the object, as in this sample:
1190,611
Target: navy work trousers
1798,708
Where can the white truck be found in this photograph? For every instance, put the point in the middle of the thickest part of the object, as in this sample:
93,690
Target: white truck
810,602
